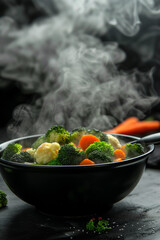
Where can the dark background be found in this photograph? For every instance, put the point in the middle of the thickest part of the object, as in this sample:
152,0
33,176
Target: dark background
11,93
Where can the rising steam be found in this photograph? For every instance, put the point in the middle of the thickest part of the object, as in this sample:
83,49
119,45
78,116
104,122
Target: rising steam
62,58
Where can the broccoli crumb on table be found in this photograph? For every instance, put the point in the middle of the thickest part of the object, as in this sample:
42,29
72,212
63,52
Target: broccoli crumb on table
3,199
80,147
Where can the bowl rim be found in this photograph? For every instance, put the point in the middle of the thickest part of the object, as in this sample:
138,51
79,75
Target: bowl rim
129,161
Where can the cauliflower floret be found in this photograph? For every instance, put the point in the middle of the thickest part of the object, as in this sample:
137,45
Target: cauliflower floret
31,151
114,141
55,146
46,152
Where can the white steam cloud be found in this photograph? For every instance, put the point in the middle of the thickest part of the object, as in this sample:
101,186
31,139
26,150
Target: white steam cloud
63,59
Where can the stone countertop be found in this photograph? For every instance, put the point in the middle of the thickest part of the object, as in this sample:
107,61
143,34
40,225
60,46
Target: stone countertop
136,216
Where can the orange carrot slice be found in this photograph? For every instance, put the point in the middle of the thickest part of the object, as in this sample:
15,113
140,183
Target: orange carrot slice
86,140
25,149
117,160
87,161
123,148
118,153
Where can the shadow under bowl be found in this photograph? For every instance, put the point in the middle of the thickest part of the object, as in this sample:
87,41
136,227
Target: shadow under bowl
73,190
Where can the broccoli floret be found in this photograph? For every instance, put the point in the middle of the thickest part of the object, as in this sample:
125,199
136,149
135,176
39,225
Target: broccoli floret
100,146
54,161
69,155
100,156
22,157
38,142
80,132
58,134
3,199
102,136
10,150
76,134
100,152
133,150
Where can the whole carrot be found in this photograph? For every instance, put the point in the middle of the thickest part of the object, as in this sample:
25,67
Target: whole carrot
128,122
141,127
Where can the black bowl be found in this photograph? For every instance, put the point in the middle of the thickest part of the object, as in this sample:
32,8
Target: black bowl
73,190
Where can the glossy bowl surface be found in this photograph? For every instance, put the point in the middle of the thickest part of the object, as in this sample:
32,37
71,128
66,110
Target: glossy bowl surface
73,190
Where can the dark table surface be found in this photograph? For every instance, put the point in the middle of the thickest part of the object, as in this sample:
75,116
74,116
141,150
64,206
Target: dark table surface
136,216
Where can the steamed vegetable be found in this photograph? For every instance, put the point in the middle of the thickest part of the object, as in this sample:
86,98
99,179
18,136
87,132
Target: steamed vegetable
46,152
38,142
117,160
76,135
113,141
82,147
70,155
100,156
10,150
22,157
118,153
133,150
3,199
100,152
100,135
100,146
87,161
58,134
54,161
87,140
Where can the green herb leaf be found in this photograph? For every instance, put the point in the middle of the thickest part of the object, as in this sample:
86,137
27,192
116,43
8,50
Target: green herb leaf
98,226
102,226
90,225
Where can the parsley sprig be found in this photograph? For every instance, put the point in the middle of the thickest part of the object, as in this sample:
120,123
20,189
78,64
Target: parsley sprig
98,225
